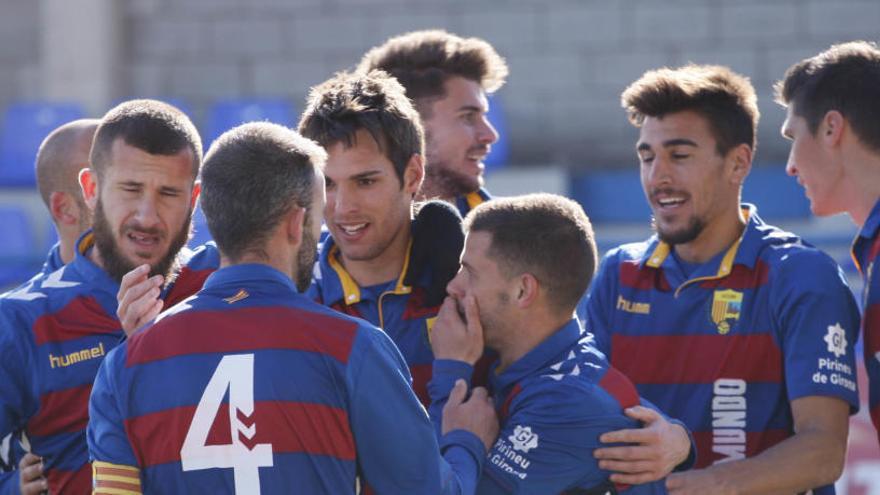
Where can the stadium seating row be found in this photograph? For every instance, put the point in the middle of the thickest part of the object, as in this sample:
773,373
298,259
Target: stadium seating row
25,124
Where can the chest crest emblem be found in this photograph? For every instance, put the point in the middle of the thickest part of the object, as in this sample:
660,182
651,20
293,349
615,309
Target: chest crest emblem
726,307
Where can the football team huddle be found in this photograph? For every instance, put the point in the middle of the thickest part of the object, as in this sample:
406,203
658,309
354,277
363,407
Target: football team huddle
369,319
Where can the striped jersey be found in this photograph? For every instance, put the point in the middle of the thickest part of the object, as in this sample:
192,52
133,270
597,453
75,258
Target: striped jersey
396,308
250,387
864,251
552,404
54,333
11,450
726,349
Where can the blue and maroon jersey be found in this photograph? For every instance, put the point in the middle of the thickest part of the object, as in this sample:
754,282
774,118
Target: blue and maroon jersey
11,450
396,308
471,200
553,404
54,332
864,251
53,260
728,347
250,387
195,267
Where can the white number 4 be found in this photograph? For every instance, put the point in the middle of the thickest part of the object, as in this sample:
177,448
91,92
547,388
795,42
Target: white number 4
237,374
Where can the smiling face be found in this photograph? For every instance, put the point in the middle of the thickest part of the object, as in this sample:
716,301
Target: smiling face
686,181
458,138
142,205
814,169
367,209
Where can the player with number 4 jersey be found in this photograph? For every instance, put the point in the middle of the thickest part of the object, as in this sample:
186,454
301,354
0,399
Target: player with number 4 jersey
250,387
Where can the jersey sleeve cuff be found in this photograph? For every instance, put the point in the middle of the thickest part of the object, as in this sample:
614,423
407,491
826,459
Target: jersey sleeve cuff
445,372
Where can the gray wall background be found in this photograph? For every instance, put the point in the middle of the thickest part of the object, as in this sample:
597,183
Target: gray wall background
569,59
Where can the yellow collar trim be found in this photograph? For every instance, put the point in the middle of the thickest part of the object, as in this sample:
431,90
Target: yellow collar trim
661,252
659,255
351,290
474,199
85,243
400,288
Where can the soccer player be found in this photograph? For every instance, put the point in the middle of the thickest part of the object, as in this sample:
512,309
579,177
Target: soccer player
375,148
61,156
527,262
57,329
739,329
833,102
447,77
309,389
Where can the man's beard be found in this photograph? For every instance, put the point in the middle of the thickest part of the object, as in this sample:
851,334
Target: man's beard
446,182
693,230
117,265
305,258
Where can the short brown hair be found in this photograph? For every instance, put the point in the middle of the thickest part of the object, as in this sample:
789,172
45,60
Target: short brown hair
423,60
253,175
724,98
149,125
546,235
846,78
375,102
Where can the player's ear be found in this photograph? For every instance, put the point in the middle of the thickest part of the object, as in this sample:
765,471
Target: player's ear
831,128
526,290
741,163
197,189
413,174
294,223
88,182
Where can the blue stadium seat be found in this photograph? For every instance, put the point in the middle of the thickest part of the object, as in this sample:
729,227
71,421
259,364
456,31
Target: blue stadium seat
18,259
201,234
500,154
226,114
25,125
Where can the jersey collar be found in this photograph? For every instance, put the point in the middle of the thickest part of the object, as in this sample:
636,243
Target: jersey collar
866,234
539,357
743,251
343,287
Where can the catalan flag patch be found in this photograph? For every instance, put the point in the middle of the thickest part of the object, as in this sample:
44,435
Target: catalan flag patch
115,479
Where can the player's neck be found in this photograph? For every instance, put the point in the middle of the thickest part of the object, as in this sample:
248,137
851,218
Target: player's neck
67,247
384,267
716,237
523,334
862,179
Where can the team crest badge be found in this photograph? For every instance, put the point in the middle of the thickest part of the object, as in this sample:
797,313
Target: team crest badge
726,306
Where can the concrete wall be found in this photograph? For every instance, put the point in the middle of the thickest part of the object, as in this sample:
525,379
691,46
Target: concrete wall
569,59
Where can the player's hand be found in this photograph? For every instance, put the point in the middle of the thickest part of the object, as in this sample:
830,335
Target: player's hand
457,338
697,482
30,471
653,451
476,415
138,298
